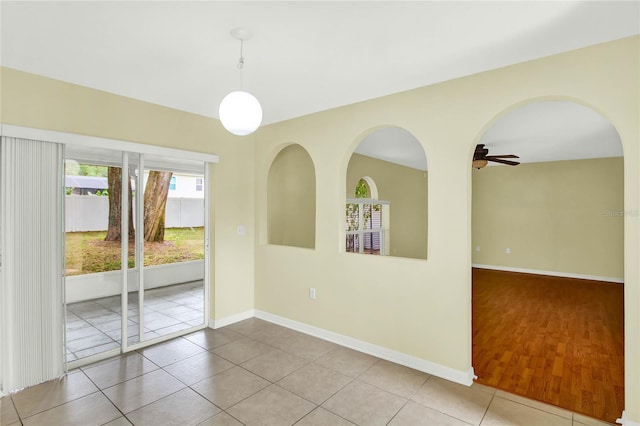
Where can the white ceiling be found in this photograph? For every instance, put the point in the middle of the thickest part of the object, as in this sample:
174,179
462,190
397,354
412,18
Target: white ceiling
537,132
395,145
552,131
304,57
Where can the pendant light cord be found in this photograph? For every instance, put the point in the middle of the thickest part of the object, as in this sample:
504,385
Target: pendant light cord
241,62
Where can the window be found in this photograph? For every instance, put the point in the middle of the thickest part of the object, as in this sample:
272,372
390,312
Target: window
172,184
199,184
365,218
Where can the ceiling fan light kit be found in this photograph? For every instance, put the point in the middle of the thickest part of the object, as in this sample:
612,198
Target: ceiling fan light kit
478,164
481,158
240,112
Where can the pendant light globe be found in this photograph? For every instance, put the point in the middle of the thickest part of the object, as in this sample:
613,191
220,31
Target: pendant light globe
240,113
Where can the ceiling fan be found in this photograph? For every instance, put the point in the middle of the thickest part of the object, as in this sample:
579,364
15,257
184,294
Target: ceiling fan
480,158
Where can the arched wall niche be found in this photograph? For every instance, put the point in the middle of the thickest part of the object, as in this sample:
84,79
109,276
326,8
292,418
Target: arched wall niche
396,162
291,199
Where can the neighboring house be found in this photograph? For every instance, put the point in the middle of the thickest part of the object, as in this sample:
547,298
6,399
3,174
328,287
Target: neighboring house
186,186
85,185
181,186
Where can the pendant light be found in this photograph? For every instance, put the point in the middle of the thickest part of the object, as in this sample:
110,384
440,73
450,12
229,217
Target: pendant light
240,112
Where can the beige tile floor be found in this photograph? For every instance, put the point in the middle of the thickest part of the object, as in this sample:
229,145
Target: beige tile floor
258,373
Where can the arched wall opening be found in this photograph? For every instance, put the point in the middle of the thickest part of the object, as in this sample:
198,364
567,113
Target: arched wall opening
393,159
548,257
291,199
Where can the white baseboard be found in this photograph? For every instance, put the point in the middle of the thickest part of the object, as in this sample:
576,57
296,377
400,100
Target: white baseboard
458,376
217,323
550,273
626,422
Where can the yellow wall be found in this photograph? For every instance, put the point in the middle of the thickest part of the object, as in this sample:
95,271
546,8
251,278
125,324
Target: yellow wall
562,216
292,199
406,189
423,308
34,101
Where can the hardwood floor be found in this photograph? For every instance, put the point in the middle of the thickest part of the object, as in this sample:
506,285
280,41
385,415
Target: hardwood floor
556,340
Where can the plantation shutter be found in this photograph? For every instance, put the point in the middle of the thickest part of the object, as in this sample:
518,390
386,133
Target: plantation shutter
376,223
364,225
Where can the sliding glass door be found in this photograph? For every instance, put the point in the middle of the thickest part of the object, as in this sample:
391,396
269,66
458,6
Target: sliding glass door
174,250
135,250
93,254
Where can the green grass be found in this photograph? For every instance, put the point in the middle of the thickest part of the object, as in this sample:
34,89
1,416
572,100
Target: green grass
87,252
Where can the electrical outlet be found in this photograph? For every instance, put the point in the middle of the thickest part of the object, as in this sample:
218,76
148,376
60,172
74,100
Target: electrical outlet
312,293
508,250
477,248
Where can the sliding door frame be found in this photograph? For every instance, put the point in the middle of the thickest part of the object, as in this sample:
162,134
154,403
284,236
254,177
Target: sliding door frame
127,148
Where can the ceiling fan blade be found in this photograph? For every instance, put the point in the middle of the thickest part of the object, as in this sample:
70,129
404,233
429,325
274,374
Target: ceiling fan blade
503,156
501,161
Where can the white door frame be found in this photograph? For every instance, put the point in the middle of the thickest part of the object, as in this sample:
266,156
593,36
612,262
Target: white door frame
89,143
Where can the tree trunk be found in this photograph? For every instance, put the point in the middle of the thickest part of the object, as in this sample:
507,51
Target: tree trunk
155,202
114,184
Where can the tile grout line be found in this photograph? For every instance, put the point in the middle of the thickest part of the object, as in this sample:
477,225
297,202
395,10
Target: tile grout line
235,365
493,395
124,381
410,396
352,378
442,412
316,406
108,399
539,409
63,377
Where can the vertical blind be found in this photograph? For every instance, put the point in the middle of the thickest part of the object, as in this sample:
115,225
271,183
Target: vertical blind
31,278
